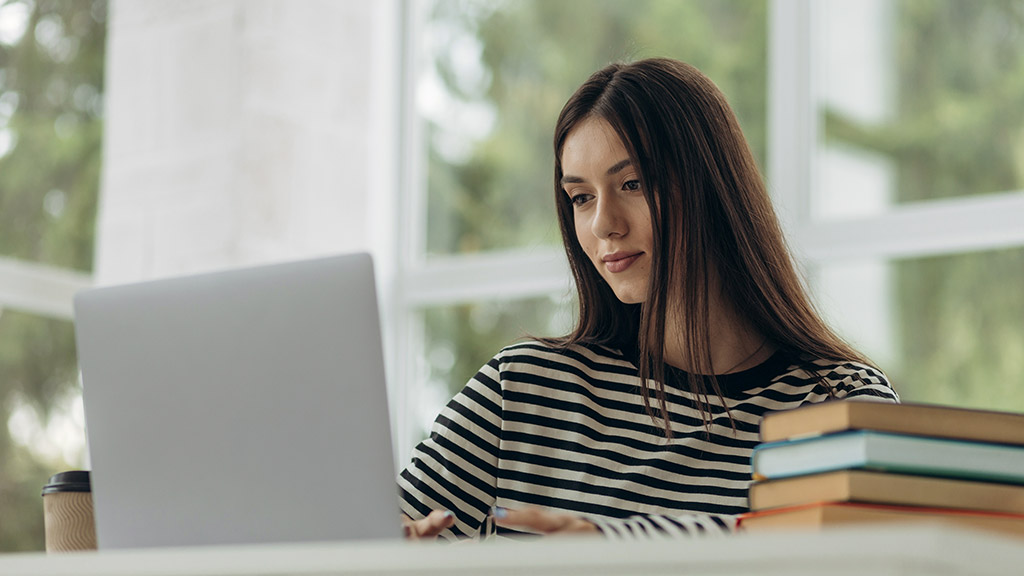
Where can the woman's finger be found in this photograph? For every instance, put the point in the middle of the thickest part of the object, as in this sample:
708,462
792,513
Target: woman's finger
543,521
428,527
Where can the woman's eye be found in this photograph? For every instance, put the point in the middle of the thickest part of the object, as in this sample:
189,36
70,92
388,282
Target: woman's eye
579,199
631,185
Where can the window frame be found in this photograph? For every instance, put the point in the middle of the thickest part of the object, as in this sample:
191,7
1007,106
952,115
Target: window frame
39,288
927,228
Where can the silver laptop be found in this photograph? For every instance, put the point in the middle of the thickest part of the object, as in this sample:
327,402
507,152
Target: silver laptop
246,406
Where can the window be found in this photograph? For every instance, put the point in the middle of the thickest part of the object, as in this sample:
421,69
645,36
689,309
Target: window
495,75
51,83
917,209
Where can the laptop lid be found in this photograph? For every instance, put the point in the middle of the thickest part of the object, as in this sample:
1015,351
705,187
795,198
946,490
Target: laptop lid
245,406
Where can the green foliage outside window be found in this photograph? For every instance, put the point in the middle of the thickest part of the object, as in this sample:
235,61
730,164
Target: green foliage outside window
957,130
525,59
51,86
486,323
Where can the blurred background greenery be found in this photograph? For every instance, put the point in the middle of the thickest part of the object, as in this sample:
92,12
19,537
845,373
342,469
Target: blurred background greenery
532,55
956,129
51,127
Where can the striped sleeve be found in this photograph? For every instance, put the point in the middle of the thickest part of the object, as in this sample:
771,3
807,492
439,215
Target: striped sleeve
852,380
455,468
656,526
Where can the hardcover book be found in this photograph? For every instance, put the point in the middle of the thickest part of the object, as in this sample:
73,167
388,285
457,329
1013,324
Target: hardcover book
830,514
916,419
887,488
890,452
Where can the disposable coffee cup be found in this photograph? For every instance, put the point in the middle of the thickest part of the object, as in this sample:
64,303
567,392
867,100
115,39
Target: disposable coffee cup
67,509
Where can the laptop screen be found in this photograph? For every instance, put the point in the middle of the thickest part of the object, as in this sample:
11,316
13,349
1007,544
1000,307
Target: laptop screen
244,406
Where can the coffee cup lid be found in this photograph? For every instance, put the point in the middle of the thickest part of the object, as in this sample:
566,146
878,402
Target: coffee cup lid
70,481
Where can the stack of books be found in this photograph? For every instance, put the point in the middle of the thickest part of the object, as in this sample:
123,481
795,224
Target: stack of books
849,461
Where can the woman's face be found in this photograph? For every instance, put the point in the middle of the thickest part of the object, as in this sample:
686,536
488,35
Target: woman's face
613,223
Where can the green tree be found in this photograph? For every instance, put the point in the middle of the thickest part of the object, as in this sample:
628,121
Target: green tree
51,86
534,54
958,130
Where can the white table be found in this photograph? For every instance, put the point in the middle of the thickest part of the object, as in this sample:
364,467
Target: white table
876,551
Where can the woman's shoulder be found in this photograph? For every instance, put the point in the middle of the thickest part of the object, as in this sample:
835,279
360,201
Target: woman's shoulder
844,378
570,357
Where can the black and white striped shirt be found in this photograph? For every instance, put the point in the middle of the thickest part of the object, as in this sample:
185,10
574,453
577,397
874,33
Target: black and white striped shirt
566,430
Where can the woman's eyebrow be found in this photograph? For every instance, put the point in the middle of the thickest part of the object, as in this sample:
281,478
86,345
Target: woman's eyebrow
615,169
618,166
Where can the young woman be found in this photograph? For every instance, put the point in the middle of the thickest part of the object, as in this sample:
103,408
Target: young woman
692,324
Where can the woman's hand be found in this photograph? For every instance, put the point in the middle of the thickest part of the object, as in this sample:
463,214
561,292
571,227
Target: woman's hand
542,521
427,528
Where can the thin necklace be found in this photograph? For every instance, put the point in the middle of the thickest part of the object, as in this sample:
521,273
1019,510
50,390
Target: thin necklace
752,354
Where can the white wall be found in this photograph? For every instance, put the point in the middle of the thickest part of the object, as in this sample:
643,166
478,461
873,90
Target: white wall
242,131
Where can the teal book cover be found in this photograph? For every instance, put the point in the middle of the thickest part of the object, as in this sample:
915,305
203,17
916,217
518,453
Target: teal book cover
904,454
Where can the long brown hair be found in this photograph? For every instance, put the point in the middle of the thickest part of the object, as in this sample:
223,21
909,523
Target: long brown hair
710,214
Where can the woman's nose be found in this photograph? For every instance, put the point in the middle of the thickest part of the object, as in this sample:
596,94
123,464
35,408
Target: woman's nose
608,219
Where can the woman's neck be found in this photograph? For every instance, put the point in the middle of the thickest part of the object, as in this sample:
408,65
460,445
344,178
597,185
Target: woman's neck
735,345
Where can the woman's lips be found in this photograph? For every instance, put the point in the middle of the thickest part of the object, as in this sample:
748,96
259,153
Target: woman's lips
616,263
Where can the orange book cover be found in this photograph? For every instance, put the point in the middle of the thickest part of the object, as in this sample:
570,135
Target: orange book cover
829,514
